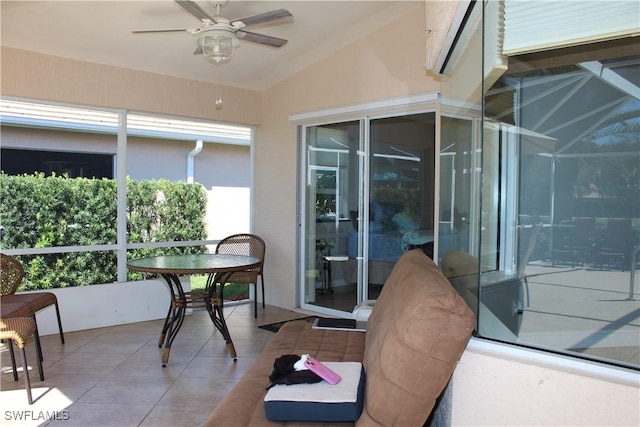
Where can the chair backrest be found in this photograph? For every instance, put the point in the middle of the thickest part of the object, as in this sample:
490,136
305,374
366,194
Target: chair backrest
244,244
584,230
619,233
11,274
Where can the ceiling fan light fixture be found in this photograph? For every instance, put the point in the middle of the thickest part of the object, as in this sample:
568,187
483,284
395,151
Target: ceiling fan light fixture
217,46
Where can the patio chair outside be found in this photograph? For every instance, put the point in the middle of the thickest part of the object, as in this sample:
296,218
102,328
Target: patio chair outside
617,244
251,245
578,247
11,275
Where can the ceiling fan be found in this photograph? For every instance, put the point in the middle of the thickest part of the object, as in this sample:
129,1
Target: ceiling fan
218,36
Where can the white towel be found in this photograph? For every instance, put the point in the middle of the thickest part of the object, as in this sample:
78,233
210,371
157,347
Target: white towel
323,392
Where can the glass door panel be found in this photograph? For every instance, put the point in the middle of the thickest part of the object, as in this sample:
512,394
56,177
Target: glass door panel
401,186
386,165
332,192
457,176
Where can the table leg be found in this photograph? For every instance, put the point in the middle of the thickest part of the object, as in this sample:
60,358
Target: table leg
232,351
175,316
165,327
214,304
329,278
165,356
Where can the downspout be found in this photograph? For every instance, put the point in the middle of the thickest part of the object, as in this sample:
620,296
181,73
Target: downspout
190,160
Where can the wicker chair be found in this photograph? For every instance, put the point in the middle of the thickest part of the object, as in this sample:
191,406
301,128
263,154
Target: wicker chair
11,275
18,330
10,310
246,244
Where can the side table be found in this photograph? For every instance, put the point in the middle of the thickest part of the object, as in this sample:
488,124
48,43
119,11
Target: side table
327,266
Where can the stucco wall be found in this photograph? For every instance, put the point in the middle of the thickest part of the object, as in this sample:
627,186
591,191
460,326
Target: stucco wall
49,78
501,385
385,64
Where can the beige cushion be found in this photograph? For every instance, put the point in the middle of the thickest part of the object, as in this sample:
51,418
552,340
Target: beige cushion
416,334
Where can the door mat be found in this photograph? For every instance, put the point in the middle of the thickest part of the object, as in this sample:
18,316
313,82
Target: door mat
275,327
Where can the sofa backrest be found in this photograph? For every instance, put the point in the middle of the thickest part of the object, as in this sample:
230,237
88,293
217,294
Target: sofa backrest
415,336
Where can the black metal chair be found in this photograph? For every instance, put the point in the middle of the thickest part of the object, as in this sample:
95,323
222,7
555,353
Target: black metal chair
578,247
617,244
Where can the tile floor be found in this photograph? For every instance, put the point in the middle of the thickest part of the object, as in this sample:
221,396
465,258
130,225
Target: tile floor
113,376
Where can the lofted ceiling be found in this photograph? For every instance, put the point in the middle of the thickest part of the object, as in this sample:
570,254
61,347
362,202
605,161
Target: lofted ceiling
100,32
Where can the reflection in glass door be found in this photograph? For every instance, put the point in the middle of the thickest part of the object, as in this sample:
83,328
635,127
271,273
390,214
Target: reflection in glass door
332,192
401,188
458,177
385,164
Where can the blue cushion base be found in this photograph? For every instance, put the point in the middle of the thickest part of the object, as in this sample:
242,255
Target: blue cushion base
316,411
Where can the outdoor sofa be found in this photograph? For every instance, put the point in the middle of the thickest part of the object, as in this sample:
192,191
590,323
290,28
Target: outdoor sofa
415,336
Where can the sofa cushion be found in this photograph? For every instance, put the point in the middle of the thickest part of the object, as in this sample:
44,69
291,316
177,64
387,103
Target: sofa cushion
244,406
320,401
416,334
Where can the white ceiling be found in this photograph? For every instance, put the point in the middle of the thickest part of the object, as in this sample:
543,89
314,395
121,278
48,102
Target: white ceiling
100,32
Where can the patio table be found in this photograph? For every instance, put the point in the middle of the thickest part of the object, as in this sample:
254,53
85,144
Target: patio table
219,268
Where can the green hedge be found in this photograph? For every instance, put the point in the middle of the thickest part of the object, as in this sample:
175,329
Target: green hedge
38,211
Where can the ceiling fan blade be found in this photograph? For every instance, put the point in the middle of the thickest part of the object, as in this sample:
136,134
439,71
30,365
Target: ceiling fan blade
260,18
260,38
193,9
177,30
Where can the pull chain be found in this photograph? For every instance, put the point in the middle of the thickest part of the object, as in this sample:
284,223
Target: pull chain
218,90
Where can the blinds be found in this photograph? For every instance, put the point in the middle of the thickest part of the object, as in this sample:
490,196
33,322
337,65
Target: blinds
536,25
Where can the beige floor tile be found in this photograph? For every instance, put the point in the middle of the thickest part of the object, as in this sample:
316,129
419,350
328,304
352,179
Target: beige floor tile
205,391
128,390
113,343
248,333
72,386
87,363
177,416
150,365
72,342
219,367
103,415
186,347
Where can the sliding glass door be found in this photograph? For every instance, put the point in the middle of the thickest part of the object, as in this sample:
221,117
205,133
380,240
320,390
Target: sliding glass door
368,195
331,191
